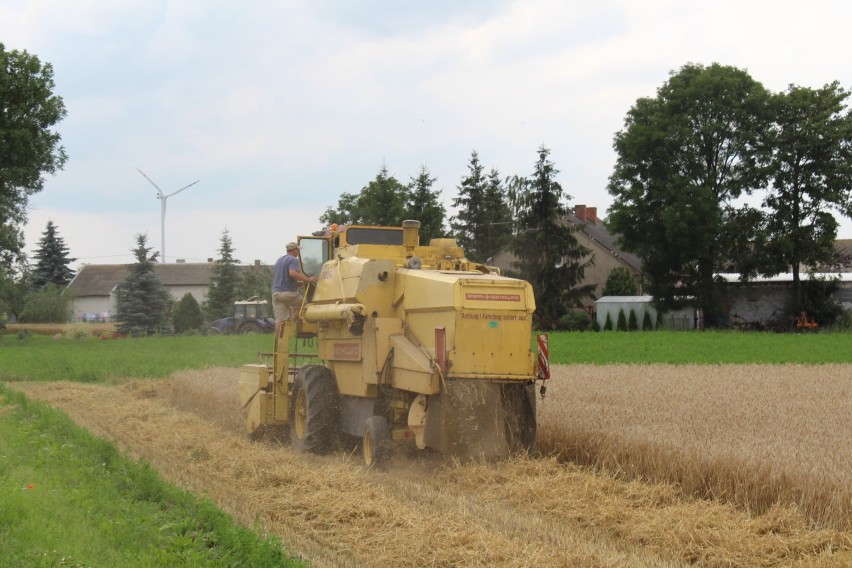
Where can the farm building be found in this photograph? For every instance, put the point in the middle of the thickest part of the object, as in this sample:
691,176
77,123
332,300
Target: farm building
765,298
593,235
686,318
93,288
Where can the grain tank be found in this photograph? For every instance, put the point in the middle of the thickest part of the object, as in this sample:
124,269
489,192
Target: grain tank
399,342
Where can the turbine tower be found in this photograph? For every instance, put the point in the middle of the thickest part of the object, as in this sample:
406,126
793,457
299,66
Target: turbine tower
163,197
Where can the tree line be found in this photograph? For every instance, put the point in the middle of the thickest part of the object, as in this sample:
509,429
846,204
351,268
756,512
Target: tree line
713,174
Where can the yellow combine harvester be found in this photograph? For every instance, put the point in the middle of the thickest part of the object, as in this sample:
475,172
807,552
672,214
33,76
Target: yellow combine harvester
410,343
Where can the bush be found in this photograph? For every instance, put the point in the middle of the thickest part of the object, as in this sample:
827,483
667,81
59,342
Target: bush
608,323
48,305
575,320
188,316
647,325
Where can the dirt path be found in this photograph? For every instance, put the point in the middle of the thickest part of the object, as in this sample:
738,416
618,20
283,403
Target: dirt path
425,511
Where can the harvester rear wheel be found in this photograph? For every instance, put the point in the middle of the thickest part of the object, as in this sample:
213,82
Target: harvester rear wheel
519,405
376,444
313,412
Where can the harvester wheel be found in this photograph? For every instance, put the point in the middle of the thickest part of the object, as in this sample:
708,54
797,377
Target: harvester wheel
313,410
377,441
519,405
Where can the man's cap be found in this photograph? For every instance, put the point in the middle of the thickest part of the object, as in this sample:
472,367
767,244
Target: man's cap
291,246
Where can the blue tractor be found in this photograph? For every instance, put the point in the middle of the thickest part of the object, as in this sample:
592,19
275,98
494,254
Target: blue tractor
250,316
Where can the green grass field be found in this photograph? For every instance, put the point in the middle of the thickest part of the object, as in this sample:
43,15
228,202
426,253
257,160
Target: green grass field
69,499
91,360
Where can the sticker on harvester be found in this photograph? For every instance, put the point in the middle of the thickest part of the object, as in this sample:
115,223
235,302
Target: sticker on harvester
347,351
493,297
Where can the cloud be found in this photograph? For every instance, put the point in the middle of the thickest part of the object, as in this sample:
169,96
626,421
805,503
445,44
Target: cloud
278,108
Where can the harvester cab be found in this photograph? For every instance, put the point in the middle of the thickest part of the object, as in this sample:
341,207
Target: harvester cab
401,343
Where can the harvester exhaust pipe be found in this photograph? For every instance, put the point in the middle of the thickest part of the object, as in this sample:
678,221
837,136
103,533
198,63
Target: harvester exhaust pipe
411,233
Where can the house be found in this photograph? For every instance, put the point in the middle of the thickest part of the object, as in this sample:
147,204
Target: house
93,288
593,235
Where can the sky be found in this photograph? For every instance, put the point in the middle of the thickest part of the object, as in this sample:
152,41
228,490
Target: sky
275,108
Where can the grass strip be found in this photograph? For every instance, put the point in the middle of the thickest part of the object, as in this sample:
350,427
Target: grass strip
68,498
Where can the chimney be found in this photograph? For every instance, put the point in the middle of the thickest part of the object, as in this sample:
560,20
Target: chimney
580,212
209,260
592,214
256,265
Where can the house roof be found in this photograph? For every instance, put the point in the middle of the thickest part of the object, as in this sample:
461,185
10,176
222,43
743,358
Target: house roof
100,279
624,300
597,232
734,278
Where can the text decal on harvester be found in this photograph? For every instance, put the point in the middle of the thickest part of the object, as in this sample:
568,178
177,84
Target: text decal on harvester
347,351
493,297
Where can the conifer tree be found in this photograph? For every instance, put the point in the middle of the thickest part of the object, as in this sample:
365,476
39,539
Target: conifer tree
142,302
549,256
424,206
224,282
622,321
51,260
632,322
482,224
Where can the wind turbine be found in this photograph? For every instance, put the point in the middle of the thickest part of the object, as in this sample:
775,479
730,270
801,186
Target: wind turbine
163,197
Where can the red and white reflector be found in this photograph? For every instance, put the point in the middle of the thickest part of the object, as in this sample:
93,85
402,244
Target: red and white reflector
441,349
542,370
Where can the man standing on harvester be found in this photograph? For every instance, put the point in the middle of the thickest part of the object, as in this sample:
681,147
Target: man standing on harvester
286,300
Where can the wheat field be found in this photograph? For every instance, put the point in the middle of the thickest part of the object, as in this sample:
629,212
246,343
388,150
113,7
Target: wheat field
753,435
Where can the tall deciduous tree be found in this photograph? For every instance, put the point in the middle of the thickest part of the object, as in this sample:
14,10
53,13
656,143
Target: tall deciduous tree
51,260
482,223
142,302
224,282
550,258
683,157
424,205
811,171
383,201
29,110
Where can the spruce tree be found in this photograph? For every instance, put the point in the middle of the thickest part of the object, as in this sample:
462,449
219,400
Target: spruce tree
142,302
224,281
51,260
424,206
496,219
549,256
466,224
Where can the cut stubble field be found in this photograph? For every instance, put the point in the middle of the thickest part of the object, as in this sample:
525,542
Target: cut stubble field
691,465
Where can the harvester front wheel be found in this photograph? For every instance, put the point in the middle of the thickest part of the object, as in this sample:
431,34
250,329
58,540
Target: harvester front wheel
313,410
376,444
